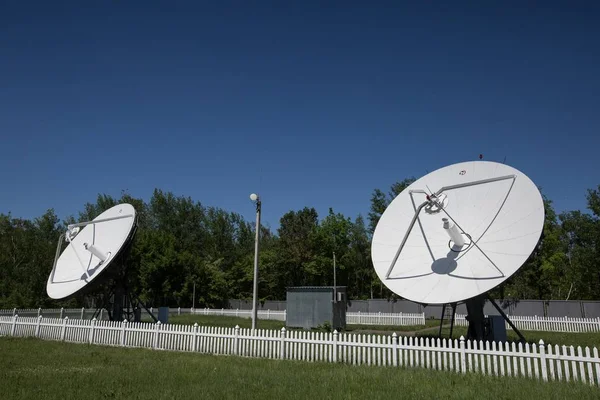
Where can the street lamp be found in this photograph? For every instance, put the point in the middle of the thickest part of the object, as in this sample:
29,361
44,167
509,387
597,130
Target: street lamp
255,198
334,277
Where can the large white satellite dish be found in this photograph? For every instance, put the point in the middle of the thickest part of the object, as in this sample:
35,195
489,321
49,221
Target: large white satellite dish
91,250
457,232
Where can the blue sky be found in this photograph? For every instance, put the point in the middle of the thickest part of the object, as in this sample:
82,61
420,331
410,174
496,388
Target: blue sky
311,104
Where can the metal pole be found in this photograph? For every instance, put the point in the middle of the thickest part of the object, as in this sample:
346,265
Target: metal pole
452,320
194,297
442,320
255,289
334,281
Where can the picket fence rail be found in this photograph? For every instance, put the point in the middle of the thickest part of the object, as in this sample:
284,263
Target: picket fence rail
538,361
548,324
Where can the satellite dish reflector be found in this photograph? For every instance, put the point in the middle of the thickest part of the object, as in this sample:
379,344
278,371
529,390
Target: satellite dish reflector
457,232
92,247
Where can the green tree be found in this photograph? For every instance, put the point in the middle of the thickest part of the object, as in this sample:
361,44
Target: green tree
295,249
180,243
545,274
380,201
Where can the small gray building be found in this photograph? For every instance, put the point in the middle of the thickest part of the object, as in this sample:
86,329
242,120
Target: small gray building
311,306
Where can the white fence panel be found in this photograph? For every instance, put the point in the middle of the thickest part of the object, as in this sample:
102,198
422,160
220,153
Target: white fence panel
403,319
535,361
529,323
548,324
261,314
358,318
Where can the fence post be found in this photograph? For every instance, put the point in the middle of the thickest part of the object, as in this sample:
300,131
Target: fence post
394,349
335,340
222,311
359,321
63,331
14,311
82,312
37,326
178,310
282,343
195,344
598,323
237,312
151,310
39,311
535,323
123,327
463,356
62,312
14,325
401,318
269,314
101,314
285,316
156,329
379,318
543,360
92,326
236,339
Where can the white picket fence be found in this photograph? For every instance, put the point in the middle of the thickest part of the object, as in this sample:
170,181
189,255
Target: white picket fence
357,318
80,313
261,314
526,323
397,319
548,324
538,361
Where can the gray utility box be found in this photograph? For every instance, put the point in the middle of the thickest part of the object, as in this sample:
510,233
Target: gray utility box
310,306
163,315
497,329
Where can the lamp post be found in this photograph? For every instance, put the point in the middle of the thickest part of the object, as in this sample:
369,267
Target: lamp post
255,198
334,281
334,272
194,297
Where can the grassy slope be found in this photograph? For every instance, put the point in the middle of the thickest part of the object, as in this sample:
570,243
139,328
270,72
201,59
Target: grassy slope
216,320
34,369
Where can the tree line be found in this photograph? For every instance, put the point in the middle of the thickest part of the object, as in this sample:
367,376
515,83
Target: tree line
181,243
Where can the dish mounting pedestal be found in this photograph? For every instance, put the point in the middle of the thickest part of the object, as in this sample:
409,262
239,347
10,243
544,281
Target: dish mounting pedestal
479,325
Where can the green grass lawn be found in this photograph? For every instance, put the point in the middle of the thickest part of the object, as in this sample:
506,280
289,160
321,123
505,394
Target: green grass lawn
217,320
429,323
40,370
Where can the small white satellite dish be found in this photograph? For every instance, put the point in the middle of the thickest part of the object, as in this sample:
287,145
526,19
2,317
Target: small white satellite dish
92,247
457,232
